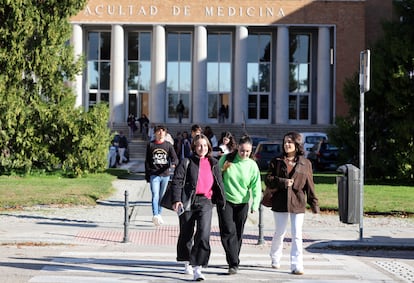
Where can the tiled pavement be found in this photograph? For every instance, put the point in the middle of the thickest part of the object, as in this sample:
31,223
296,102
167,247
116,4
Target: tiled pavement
87,245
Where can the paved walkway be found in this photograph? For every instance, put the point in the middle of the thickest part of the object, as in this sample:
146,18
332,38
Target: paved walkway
84,244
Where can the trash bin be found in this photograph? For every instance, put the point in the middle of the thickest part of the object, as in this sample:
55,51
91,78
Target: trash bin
348,194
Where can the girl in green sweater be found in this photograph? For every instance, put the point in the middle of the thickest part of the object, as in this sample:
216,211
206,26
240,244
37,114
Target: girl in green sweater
241,178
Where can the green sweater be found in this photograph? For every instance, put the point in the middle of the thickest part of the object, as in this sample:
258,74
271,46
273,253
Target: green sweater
242,181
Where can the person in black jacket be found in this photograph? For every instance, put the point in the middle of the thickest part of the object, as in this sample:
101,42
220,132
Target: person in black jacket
197,183
123,148
160,156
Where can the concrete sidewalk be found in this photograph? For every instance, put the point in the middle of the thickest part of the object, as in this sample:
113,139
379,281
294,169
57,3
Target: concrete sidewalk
84,239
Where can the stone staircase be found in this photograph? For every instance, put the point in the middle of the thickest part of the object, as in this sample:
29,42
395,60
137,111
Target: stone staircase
137,145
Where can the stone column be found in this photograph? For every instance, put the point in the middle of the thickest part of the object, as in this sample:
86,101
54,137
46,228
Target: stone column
118,114
282,76
240,99
200,97
157,100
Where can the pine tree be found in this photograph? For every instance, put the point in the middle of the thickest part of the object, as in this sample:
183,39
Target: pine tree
40,128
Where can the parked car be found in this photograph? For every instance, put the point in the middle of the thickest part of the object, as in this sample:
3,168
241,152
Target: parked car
265,151
257,139
311,138
324,156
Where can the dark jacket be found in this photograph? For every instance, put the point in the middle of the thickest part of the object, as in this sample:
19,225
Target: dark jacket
303,191
191,177
158,159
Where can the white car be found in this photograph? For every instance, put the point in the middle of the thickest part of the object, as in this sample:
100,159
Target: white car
309,139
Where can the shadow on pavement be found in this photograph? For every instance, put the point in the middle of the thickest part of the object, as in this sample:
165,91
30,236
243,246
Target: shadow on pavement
147,268
55,220
377,246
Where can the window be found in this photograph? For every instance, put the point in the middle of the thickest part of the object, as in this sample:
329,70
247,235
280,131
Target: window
299,78
179,74
219,72
139,72
99,67
258,75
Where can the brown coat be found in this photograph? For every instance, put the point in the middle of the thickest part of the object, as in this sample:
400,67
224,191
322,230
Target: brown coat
292,199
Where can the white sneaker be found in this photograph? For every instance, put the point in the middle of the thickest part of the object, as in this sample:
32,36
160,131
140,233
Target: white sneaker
198,276
275,265
156,220
160,221
297,271
188,269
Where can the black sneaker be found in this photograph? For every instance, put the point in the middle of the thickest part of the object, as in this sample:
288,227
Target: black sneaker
233,270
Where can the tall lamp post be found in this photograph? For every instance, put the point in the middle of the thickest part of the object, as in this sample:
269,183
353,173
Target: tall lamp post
364,83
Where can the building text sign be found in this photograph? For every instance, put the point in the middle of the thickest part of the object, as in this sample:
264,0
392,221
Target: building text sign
192,11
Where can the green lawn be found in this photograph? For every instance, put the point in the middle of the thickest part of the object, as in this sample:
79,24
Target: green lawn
16,192
381,199
378,199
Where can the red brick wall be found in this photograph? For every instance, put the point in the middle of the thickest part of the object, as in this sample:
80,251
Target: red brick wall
356,22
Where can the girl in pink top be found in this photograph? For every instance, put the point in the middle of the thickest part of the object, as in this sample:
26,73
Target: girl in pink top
202,184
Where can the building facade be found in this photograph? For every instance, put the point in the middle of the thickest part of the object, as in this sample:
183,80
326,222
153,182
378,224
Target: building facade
269,62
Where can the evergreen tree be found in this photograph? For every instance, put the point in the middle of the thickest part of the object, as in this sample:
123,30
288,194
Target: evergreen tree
389,105
39,126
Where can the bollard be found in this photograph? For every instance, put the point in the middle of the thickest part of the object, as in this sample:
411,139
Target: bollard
261,240
126,218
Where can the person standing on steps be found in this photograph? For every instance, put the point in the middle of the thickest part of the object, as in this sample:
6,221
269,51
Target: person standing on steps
203,186
180,111
291,179
160,156
241,178
143,126
131,125
123,148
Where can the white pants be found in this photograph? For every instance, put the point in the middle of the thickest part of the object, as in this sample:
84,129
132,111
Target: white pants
296,253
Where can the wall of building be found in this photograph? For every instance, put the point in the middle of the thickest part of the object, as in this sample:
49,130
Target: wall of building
349,19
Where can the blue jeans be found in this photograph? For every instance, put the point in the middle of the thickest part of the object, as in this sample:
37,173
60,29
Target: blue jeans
158,186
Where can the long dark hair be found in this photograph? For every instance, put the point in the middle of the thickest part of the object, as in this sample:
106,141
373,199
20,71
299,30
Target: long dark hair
232,145
297,139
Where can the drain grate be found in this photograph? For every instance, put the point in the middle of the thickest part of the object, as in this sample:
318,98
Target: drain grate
399,269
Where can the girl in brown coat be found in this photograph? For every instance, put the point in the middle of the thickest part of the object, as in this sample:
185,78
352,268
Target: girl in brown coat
292,180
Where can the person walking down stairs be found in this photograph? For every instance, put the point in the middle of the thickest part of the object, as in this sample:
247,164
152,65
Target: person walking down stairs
160,156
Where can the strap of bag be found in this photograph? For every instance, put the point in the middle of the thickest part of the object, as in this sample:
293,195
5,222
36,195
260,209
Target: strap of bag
278,168
186,163
187,206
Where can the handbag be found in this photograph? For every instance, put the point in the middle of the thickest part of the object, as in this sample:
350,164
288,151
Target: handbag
167,198
268,192
267,197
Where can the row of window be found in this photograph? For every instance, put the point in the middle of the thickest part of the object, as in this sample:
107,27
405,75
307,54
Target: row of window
219,72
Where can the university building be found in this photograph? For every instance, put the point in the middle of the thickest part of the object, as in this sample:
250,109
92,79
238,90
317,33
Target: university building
269,61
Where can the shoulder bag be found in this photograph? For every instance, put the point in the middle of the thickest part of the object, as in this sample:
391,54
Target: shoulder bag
267,199
166,200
